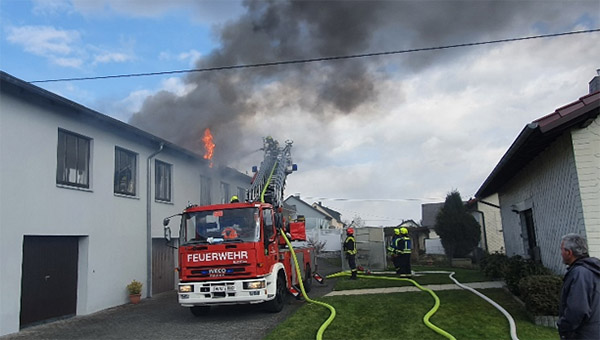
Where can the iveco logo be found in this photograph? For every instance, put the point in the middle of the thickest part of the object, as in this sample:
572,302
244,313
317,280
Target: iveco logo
217,271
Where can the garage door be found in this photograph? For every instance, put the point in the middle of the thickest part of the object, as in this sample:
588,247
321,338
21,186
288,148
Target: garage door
49,278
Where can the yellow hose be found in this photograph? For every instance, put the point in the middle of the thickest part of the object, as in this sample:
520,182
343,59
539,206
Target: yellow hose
427,316
299,274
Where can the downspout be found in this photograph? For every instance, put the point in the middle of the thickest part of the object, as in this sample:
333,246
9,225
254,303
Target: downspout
149,221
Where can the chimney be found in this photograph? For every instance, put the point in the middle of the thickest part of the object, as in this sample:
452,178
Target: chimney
595,82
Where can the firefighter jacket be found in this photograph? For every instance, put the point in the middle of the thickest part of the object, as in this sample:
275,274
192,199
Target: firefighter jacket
400,245
350,245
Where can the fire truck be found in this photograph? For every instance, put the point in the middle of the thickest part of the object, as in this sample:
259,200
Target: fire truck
235,253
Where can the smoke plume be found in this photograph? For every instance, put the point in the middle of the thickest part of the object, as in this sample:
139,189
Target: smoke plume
227,101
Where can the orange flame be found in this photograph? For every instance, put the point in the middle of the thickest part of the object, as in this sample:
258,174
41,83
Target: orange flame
209,146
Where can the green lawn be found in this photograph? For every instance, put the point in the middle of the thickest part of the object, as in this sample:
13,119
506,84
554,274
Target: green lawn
400,315
461,274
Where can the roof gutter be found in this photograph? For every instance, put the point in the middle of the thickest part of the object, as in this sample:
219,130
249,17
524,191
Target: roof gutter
149,220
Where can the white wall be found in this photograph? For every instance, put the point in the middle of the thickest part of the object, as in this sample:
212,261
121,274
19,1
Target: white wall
493,224
586,146
548,185
112,229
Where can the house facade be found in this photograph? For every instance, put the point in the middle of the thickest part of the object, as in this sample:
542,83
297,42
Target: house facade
335,218
548,183
82,198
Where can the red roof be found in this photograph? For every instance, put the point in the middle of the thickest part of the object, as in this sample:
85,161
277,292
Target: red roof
536,136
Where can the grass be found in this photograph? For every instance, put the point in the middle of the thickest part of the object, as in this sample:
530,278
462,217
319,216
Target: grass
400,315
461,274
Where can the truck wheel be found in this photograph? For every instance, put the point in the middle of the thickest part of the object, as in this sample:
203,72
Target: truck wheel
276,305
307,279
200,310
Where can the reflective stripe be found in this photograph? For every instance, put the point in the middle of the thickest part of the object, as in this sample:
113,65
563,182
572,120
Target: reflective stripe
350,251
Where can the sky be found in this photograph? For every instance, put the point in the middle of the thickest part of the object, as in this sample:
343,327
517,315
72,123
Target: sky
374,137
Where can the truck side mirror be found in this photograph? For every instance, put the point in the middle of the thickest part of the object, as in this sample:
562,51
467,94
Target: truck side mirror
167,232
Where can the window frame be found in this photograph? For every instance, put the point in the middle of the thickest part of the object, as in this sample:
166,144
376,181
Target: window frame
168,176
62,159
134,175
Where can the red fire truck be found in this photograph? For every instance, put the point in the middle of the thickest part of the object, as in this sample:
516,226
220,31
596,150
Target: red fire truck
234,253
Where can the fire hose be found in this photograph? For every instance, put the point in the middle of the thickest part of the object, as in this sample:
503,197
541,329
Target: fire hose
427,316
513,329
299,274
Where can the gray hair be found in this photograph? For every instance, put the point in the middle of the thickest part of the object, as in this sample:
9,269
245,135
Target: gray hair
577,244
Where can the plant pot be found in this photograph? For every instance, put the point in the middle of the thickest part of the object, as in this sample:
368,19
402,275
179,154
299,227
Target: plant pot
135,298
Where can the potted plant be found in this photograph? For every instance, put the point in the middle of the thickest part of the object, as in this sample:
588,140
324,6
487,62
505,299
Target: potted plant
134,289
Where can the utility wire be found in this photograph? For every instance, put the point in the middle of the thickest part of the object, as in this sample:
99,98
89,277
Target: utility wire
303,61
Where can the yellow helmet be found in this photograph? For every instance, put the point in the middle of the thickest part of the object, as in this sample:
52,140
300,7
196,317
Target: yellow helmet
396,231
403,231
234,199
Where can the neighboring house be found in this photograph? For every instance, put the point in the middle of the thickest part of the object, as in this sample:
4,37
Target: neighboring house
82,201
429,212
548,183
315,219
335,218
487,213
317,223
417,233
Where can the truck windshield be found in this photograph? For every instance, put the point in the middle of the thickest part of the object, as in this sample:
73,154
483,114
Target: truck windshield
227,225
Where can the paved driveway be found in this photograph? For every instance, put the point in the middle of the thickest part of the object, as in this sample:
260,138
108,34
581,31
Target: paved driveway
161,317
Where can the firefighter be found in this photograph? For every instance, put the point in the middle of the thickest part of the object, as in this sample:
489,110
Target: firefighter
404,250
393,249
350,250
234,199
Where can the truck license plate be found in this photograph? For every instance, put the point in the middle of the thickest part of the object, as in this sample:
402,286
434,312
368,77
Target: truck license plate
218,288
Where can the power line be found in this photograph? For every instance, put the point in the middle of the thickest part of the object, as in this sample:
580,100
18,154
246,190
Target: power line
311,60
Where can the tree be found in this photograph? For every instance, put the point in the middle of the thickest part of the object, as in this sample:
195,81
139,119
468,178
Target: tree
459,231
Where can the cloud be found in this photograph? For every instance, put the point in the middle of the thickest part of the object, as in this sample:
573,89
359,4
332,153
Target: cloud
44,41
112,57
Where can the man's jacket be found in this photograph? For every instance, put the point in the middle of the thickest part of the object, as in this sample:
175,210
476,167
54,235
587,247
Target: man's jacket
579,311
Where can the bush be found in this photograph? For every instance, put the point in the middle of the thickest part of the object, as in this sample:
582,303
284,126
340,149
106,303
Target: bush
494,265
519,268
541,293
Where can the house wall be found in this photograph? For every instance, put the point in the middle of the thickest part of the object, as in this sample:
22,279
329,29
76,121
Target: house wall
314,218
111,229
549,186
586,147
493,224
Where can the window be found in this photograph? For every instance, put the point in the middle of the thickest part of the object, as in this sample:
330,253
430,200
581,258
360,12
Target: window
241,194
225,194
162,177
73,159
125,172
205,184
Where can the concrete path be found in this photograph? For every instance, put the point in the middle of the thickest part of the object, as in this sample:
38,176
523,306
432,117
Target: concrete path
475,285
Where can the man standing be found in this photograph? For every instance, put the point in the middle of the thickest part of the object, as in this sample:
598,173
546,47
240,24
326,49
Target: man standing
393,250
579,311
404,250
350,250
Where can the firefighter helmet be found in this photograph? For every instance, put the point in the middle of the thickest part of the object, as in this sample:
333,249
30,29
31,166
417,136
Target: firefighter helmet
350,231
234,199
396,231
403,231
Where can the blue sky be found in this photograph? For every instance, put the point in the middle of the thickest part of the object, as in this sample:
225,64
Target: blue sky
374,137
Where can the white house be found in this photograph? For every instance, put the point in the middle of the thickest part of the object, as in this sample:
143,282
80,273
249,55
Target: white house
82,198
548,183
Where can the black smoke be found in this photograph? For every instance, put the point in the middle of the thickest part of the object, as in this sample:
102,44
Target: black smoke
269,31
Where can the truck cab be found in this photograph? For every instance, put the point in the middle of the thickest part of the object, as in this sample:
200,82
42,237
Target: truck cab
232,254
